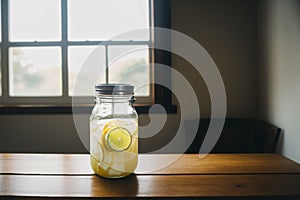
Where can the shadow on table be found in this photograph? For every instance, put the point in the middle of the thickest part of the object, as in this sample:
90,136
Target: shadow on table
120,187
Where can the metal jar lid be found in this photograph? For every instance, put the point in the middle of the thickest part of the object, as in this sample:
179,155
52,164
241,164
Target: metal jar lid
114,89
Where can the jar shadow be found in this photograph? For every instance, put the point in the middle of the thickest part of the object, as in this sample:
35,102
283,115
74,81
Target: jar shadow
114,187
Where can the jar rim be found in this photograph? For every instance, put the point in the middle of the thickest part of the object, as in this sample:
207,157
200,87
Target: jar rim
114,89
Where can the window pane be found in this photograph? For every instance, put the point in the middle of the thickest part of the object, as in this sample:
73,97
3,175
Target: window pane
34,20
90,61
130,64
35,71
102,19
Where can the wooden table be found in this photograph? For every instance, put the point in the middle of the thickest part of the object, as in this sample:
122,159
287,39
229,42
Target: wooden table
217,176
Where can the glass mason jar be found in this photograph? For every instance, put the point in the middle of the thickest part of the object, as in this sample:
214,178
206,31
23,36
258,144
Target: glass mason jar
114,131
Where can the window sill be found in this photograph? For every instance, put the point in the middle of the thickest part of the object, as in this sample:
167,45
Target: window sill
49,109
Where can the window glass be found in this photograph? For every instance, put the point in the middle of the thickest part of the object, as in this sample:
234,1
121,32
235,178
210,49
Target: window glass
35,71
94,57
102,19
34,20
46,43
130,64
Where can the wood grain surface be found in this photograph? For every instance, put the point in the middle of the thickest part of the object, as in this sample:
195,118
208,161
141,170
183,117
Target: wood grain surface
214,176
185,164
151,186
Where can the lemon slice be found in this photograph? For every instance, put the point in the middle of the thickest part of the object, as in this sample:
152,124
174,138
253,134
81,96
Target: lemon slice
113,124
118,139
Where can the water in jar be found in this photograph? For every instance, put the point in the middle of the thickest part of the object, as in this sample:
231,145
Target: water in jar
114,146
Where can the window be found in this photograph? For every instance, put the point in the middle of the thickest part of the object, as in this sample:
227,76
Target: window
44,44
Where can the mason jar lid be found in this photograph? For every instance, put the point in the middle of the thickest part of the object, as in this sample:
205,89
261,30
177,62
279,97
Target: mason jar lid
114,89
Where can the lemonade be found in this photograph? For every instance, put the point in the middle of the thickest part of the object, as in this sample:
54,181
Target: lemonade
114,146
114,131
